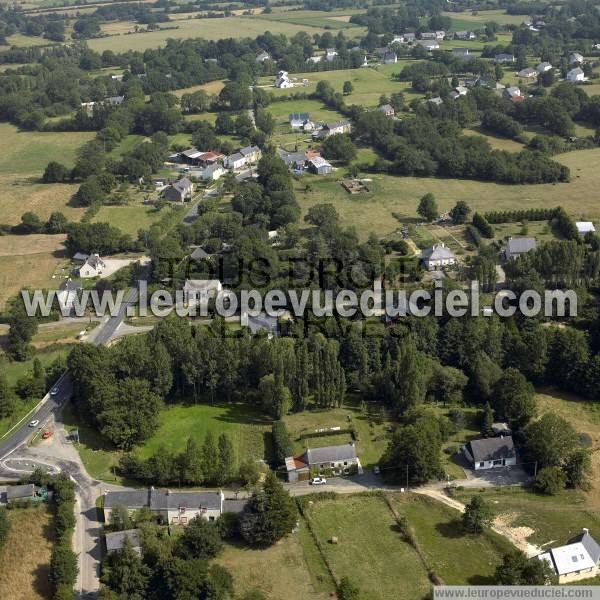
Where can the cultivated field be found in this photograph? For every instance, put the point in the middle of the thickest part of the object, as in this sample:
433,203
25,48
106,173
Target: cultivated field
25,559
211,29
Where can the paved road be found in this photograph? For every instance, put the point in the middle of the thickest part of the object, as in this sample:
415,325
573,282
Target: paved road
108,327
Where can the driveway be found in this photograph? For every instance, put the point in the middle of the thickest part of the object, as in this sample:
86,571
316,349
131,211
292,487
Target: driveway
495,477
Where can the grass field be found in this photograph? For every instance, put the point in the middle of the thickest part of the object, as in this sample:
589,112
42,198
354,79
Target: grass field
25,559
212,87
373,211
211,29
287,575
370,429
370,551
438,532
467,20
136,216
314,18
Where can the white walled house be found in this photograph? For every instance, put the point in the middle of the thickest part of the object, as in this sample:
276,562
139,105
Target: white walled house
338,459
438,256
92,267
282,81
490,453
576,74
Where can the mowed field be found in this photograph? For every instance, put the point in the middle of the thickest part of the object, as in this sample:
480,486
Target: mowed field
25,559
210,29
372,212
467,20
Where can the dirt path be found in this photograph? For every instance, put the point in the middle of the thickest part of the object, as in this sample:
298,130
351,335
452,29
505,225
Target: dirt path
515,535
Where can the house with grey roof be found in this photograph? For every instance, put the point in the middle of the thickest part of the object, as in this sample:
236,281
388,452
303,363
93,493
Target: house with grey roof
437,101
338,460
543,67
517,246
490,453
504,58
235,161
527,73
576,74
92,267
252,154
575,58
465,35
577,560
389,58
294,160
173,507
319,166
21,493
437,257
387,110
460,52
298,120
115,540
180,191
263,323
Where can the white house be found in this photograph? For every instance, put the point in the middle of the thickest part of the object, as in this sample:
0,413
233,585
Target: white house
409,38
174,508
198,291
235,161
282,81
459,91
584,227
577,560
465,35
575,58
512,92
252,154
212,172
460,52
337,459
504,58
490,453
315,59
430,45
262,56
437,101
341,126
543,67
527,73
576,74
298,120
92,267
330,54
438,256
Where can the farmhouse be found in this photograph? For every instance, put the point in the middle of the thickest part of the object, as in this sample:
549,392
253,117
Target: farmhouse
437,101
460,52
490,453
341,126
319,166
282,81
174,508
428,35
330,54
294,160
438,256
337,458
212,172
262,56
387,110
575,58
577,560
298,120
92,267
517,246
528,73
408,38
465,35
512,92
576,74
459,91
21,493
235,161
389,58
430,45
180,191
543,67
115,540
252,154
315,59
584,227
504,58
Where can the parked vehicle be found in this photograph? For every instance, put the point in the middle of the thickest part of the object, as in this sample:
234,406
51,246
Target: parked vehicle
318,481
34,423
47,434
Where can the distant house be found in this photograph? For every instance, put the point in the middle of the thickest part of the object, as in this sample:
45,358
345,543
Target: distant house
315,59
175,508
235,161
199,254
297,120
389,58
527,73
180,191
92,267
584,227
543,67
397,39
115,540
428,35
512,92
294,160
191,156
252,154
21,493
67,293
517,246
212,172
577,560
437,101
437,257
198,291
504,58
576,74
282,81
430,45
262,56
465,35
490,453
459,91
330,54
341,126
409,38
387,110
319,166
263,323
575,58
440,35
460,52
209,158
338,459
114,100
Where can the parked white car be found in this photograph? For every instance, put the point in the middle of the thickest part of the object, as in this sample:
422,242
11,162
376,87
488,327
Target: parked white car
318,481
34,423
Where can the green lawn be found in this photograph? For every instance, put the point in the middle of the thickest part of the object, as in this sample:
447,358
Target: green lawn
438,531
369,551
467,20
553,519
246,427
370,426
315,18
133,217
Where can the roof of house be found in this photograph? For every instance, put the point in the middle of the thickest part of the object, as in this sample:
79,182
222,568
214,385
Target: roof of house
589,543
302,117
436,100
585,226
80,256
386,108
262,322
15,492
575,71
235,157
94,261
168,500
116,539
292,157
315,456
544,66
570,558
199,254
527,72
183,185
437,252
192,153
206,156
389,55
319,161
130,499
492,448
202,284
501,428
336,124
292,463
460,50
520,245
249,150
234,506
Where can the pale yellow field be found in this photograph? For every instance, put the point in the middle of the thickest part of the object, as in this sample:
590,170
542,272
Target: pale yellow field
212,87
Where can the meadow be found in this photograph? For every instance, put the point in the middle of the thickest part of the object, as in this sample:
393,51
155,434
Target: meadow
210,29
135,216
25,559
313,18
466,20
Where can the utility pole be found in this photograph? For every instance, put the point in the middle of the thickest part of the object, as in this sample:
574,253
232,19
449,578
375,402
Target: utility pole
535,469
407,477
